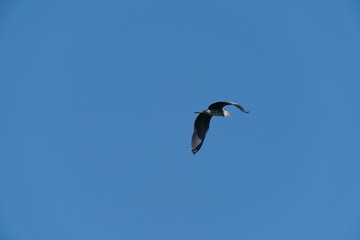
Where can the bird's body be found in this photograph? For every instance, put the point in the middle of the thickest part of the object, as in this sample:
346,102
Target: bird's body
213,112
202,122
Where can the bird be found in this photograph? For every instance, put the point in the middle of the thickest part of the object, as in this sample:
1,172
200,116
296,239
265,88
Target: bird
202,122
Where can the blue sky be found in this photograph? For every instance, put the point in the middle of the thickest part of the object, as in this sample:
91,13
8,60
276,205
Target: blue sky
97,102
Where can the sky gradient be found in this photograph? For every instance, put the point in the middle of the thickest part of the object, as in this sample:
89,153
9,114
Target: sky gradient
97,102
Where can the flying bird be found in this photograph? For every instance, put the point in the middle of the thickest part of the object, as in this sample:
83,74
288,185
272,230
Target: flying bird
202,122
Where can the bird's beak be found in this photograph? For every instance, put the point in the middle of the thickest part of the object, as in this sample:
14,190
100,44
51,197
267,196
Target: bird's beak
230,114
197,112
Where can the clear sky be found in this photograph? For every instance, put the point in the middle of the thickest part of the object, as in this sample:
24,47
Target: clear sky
97,102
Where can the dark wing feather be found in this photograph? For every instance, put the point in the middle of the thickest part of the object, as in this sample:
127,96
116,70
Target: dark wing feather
220,105
201,127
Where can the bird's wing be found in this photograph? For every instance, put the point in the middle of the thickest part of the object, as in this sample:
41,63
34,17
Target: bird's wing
201,127
220,105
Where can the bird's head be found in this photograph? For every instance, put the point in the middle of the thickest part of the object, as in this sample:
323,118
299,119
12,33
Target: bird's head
227,114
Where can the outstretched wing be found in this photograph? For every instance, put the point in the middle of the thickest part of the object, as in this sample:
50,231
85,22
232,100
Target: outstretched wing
220,105
201,127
